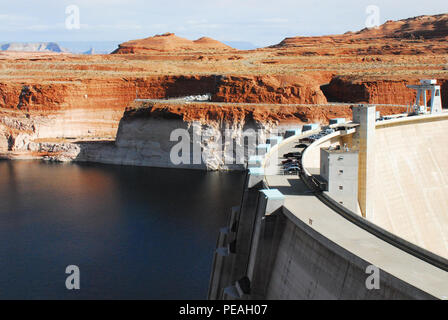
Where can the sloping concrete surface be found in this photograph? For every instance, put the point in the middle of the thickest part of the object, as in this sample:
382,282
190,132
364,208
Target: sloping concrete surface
411,182
348,240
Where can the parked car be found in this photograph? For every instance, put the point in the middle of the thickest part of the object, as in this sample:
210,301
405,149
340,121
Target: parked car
291,164
302,146
293,155
290,160
292,169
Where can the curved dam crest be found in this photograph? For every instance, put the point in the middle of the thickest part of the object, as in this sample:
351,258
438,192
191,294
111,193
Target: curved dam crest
287,241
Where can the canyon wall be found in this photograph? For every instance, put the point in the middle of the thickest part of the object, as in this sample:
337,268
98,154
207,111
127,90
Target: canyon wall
170,137
353,90
93,108
173,134
269,89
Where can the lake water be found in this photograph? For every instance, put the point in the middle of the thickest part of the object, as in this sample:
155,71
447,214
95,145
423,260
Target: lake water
134,232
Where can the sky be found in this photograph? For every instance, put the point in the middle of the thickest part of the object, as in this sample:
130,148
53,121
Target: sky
261,22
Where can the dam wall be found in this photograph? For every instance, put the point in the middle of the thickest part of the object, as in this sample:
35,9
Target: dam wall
292,261
308,266
285,241
411,181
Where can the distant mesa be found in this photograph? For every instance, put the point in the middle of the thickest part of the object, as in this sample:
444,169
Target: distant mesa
421,27
170,42
33,47
90,51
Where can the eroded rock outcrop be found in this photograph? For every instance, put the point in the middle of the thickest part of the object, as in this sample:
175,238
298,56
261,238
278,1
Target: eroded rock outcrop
170,42
269,89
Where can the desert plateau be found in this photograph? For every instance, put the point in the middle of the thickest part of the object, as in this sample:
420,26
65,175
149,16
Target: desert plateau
50,103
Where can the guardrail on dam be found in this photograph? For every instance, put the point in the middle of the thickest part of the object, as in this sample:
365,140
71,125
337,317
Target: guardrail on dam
287,240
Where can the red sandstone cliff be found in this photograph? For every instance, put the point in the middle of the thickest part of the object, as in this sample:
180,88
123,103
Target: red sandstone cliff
353,89
242,113
269,89
118,93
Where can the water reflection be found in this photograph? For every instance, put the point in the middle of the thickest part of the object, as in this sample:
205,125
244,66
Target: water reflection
134,232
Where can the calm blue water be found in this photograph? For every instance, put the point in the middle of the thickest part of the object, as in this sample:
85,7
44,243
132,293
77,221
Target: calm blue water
135,233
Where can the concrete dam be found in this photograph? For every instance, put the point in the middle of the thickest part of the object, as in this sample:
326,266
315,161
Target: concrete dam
369,195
